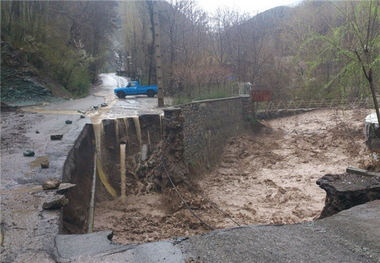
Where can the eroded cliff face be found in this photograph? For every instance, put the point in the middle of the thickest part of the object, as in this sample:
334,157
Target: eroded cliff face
344,191
167,162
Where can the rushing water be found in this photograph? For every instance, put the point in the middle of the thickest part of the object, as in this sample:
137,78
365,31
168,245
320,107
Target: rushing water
98,131
136,120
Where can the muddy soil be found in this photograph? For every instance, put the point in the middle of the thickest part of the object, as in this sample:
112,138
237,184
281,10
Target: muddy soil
267,177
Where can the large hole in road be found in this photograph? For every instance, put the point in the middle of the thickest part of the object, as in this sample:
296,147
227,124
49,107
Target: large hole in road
263,177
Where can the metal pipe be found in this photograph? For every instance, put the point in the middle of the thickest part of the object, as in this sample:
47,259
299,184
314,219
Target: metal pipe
92,200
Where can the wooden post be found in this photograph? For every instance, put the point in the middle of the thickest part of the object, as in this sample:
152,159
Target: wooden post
157,48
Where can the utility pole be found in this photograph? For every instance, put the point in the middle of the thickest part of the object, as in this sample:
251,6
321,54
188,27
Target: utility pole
157,49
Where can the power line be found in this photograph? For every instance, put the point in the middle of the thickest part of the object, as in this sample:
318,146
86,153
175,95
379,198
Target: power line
183,200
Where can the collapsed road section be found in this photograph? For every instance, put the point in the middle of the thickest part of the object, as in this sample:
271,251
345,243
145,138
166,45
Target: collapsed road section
145,188
265,177
131,154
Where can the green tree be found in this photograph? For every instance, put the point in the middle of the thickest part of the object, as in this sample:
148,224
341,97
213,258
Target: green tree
343,54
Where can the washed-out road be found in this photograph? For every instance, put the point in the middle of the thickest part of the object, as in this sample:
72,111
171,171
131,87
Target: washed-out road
31,234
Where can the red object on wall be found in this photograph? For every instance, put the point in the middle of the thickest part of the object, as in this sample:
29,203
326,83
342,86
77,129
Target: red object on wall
261,95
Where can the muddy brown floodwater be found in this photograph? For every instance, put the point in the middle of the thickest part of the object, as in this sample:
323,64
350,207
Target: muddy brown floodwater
267,177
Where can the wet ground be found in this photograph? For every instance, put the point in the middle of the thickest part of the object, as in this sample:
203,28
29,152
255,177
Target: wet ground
30,128
25,227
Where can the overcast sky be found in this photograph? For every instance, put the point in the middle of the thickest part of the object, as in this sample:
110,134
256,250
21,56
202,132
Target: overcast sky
246,6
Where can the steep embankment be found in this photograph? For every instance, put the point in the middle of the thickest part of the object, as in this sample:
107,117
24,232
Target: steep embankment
22,84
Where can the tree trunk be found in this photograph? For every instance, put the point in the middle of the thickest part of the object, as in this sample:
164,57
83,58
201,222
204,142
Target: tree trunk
373,91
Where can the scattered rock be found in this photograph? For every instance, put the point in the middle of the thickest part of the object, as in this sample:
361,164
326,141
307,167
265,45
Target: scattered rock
45,164
29,153
55,202
51,184
56,137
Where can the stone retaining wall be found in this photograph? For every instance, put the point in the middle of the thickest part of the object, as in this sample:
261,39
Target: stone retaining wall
209,124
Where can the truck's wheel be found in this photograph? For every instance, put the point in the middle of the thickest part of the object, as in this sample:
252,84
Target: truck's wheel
120,94
150,93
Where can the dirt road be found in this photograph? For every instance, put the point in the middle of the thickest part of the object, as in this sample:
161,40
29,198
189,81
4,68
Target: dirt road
267,177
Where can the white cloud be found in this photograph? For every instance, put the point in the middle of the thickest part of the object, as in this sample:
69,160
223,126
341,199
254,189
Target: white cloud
246,6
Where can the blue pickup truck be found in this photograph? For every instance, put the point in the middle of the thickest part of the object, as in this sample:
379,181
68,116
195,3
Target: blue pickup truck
134,88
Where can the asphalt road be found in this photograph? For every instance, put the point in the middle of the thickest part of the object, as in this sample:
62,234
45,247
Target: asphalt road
30,129
351,236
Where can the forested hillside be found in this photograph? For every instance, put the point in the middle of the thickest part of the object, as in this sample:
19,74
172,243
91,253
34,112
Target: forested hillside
59,45
318,49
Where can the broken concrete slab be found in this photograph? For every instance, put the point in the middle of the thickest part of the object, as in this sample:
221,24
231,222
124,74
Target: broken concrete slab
163,251
349,236
98,247
70,247
344,191
354,170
